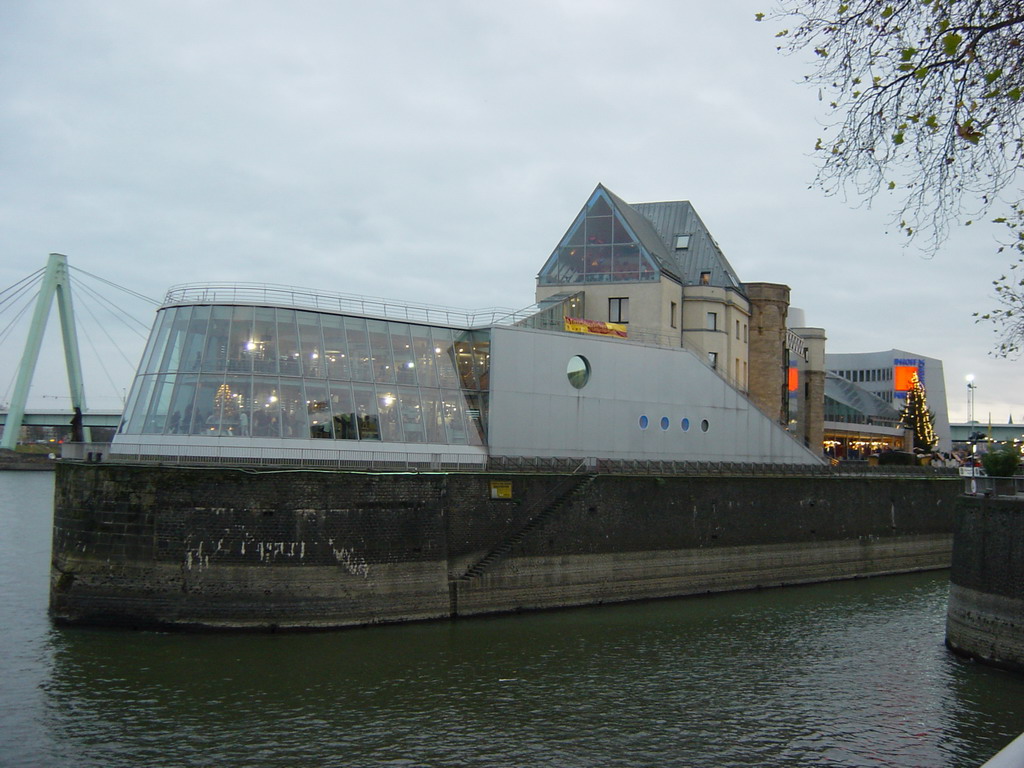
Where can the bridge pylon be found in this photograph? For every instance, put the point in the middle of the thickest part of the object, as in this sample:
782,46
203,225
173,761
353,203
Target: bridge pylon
56,283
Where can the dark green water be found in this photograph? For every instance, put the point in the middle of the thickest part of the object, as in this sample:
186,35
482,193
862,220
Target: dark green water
849,674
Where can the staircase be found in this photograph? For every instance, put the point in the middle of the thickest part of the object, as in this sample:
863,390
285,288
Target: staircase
549,506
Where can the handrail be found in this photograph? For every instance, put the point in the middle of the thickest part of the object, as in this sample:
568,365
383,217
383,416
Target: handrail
325,301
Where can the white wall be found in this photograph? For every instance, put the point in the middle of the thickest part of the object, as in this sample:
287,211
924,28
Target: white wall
535,411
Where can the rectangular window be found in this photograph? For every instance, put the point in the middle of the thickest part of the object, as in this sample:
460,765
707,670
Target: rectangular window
682,242
618,310
705,278
737,330
713,359
672,315
712,321
744,333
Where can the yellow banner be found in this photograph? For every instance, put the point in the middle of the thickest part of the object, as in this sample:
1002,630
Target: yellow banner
579,325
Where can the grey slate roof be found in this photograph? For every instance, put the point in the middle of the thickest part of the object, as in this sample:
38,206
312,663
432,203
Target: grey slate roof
678,217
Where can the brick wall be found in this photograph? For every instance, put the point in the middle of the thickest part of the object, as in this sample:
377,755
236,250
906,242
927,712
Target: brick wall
221,547
985,619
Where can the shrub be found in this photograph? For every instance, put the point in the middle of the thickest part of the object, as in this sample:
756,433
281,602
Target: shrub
1001,463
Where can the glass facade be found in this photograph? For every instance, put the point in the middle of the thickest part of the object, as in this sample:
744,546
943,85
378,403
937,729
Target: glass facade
599,247
244,371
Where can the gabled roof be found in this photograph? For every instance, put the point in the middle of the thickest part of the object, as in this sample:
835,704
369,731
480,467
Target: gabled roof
672,218
657,228
645,230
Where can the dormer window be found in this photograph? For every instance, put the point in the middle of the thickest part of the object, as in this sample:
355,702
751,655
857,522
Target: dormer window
682,242
705,278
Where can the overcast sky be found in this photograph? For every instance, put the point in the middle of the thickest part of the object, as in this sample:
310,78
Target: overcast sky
435,152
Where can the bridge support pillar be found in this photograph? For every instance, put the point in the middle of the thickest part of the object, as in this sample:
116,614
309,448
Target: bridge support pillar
56,283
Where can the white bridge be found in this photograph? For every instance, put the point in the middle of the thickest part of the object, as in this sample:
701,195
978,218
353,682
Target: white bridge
55,285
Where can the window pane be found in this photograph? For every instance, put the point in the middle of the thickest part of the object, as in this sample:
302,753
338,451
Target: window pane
238,407
335,346
264,337
620,233
423,354
366,412
599,260
266,407
453,414
600,208
343,409
227,404
405,360
318,410
156,419
287,343
311,344
390,415
215,354
445,356
157,340
195,338
206,414
599,230
412,414
380,352
358,349
433,416
180,419
137,416
626,262
293,409
168,358
240,344
476,417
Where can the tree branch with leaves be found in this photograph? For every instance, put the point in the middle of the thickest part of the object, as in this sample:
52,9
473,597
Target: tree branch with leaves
926,100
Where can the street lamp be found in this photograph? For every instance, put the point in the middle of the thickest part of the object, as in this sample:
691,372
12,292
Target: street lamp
971,386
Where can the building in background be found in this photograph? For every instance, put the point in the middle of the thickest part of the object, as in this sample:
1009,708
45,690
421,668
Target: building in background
865,394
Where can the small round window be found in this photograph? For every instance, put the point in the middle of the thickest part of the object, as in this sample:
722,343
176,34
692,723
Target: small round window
644,421
664,422
578,371
704,426
685,424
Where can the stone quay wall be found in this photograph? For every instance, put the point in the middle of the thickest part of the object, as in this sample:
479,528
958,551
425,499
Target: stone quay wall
232,548
985,619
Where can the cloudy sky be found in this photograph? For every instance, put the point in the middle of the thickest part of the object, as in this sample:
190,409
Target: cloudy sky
435,152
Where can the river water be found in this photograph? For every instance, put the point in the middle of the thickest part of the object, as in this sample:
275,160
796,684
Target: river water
847,674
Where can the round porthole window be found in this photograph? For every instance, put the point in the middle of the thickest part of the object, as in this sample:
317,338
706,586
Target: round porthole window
704,425
664,422
578,371
685,424
644,422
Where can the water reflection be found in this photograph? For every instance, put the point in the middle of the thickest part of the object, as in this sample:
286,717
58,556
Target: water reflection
851,674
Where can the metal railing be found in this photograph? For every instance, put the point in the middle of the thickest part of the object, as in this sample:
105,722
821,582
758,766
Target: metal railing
392,461
305,298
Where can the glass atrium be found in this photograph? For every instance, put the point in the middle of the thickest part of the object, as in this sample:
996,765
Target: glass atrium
257,371
600,246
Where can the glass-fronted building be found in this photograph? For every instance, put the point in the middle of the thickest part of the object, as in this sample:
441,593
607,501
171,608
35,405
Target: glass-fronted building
272,364
256,372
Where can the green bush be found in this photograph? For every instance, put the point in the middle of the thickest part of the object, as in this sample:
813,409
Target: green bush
1001,463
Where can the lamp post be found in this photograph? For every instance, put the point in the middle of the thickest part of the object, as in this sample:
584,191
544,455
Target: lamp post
971,386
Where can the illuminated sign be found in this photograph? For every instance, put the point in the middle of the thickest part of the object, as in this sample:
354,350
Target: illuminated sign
578,325
793,380
903,371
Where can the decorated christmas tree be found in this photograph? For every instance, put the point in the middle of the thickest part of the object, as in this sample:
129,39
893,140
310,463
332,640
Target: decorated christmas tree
916,416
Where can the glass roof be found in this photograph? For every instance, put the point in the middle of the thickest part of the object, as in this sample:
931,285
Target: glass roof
600,246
